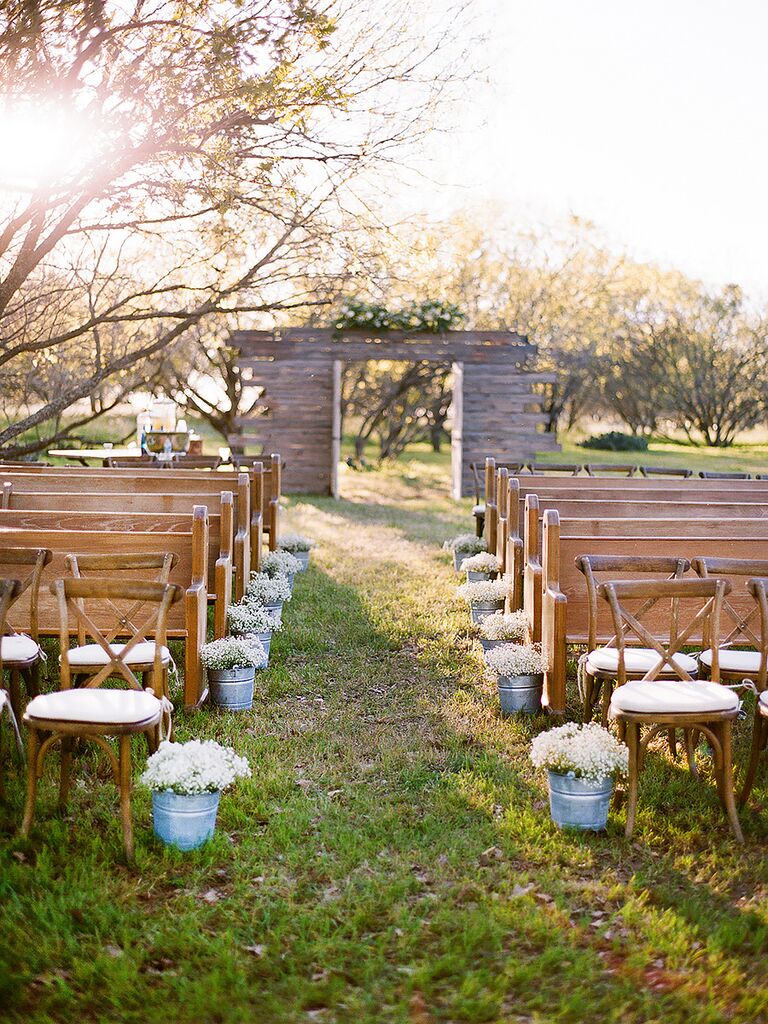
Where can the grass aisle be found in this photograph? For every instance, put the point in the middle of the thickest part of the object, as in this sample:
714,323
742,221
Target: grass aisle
392,859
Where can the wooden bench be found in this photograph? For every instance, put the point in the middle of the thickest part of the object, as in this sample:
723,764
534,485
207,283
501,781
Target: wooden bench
238,546
187,620
564,602
220,539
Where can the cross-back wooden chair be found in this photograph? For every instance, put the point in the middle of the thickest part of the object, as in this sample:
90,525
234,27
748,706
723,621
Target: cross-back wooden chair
96,712
758,588
667,696
9,591
740,627
21,651
89,566
599,668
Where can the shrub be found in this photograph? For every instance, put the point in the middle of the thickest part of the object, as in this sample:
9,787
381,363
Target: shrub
587,751
616,441
512,627
467,543
515,660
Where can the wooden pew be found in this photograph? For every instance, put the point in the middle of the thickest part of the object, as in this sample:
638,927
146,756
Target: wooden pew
564,610
187,620
219,562
237,547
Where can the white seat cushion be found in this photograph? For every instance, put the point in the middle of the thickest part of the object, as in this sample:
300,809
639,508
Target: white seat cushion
478,510
734,661
103,707
636,659
762,703
94,654
19,648
669,696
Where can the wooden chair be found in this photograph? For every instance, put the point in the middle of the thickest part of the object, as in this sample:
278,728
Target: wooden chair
20,652
705,475
759,590
600,666
667,697
664,471
606,468
735,663
9,591
91,712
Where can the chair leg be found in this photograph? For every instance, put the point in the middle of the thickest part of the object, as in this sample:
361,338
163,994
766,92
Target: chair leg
727,775
66,765
759,738
633,742
672,741
29,808
15,692
606,702
32,679
690,751
125,794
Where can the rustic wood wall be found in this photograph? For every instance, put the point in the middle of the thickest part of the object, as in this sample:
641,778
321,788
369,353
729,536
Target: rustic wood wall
496,411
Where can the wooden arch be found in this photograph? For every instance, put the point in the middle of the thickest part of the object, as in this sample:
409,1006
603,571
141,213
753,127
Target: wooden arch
496,411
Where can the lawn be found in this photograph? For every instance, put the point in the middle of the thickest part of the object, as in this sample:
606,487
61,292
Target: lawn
392,858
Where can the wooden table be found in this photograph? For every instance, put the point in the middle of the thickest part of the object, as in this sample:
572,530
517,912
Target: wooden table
84,455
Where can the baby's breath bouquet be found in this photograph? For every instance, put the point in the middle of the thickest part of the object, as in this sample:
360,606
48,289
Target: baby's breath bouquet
199,766
512,660
268,590
245,618
483,562
294,542
280,563
231,652
588,752
512,627
483,592
465,544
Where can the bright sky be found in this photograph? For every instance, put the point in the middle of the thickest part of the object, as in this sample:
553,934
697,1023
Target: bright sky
649,118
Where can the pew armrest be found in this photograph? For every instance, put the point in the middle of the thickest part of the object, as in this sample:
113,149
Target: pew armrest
553,633
196,615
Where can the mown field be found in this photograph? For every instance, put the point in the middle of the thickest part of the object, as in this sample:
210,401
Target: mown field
392,858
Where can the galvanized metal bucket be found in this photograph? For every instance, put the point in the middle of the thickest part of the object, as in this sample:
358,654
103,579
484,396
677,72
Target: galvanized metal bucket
265,639
488,645
276,611
476,577
482,611
459,557
520,693
303,557
232,688
575,803
183,820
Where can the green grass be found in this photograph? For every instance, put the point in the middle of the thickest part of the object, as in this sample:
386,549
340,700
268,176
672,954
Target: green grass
392,858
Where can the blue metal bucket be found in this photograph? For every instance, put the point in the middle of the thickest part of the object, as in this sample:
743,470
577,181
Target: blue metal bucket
575,803
520,693
303,557
182,820
488,645
232,688
482,611
276,611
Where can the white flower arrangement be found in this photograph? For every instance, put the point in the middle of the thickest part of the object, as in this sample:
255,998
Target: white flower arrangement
484,562
280,563
243,618
199,766
231,652
483,592
263,589
466,542
294,542
587,751
512,660
512,627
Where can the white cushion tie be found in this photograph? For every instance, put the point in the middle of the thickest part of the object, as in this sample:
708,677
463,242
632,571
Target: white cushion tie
96,706
637,659
673,696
